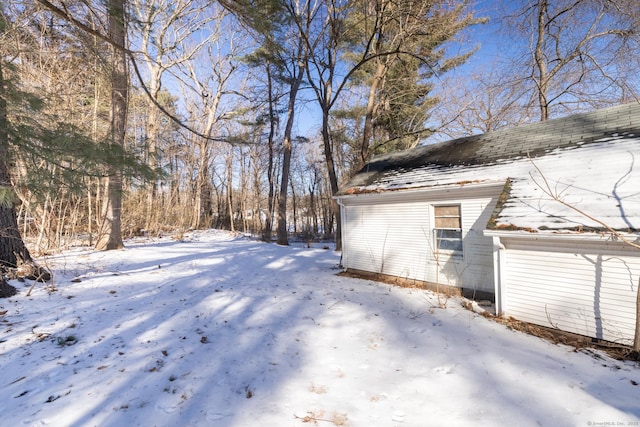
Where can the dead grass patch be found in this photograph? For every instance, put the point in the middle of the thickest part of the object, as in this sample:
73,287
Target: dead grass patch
557,336
315,417
317,389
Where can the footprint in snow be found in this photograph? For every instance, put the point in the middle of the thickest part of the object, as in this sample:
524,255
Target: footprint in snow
389,396
215,416
437,323
166,408
398,416
446,369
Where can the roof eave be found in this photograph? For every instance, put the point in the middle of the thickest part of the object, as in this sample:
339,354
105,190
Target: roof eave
559,234
374,191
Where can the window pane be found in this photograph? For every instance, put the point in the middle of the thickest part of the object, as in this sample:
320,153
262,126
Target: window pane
449,234
449,240
450,245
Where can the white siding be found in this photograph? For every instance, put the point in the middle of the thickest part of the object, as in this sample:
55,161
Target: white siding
585,288
387,238
394,236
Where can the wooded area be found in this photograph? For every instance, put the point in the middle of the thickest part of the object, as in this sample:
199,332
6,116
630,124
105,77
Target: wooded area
131,117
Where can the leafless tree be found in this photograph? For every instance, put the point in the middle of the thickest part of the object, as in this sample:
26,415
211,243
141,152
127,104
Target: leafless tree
164,29
483,102
212,97
574,51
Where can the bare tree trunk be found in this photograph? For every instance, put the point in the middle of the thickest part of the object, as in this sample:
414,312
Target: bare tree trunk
333,178
94,137
257,204
43,225
152,142
286,160
282,196
381,69
314,210
268,224
202,195
244,173
367,132
636,336
89,213
294,207
232,226
540,62
110,233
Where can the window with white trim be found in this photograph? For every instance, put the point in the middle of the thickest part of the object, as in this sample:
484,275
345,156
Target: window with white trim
448,229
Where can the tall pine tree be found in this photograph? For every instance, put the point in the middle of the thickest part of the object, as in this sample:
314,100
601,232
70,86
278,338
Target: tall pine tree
13,251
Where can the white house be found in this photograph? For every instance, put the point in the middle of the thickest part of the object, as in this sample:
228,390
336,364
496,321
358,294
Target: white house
485,214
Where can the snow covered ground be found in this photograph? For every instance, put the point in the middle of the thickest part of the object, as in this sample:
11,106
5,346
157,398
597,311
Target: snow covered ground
220,330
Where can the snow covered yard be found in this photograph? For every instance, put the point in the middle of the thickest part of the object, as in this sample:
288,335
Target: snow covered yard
219,330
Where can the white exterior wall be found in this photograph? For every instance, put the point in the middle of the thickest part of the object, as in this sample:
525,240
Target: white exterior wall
391,233
588,288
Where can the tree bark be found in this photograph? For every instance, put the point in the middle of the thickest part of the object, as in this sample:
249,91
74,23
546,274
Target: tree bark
333,178
202,199
152,134
282,196
367,131
12,248
286,160
110,233
636,336
540,62
13,251
232,226
268,224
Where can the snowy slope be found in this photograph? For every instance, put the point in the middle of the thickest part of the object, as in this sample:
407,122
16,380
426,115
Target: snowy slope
219,330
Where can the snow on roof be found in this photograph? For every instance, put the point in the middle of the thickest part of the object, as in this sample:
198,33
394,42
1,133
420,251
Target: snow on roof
600,179
595,168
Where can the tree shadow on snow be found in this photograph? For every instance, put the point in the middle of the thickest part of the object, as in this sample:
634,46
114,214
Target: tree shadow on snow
211,333
198,352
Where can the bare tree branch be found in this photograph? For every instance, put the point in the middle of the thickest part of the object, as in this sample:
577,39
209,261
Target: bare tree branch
546,188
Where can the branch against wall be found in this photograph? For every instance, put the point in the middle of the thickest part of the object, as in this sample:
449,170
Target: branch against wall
557,195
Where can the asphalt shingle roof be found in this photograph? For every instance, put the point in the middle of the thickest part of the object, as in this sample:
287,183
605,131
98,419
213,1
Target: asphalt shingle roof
591,160
532,140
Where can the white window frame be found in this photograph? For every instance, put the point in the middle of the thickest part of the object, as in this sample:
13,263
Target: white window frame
454,232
